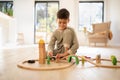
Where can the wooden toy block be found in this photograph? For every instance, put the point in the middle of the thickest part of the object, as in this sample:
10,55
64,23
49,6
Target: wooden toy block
114,60
48,59
98,59
57,60
42,54
69,59
76,59
83,60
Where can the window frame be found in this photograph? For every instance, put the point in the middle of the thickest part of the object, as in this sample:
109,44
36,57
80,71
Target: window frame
7,7
36,18
92,2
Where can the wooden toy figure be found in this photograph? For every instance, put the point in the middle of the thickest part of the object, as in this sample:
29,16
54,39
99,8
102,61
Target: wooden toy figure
114,60
42,54
98,58
83,60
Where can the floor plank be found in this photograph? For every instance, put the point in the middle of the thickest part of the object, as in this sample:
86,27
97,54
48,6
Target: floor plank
10,57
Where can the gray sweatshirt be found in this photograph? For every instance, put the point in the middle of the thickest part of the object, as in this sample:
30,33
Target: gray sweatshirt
61,39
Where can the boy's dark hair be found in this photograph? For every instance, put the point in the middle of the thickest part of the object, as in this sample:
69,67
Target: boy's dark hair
63,14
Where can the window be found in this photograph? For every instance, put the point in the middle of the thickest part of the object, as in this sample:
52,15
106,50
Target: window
6,7
45,19
90,12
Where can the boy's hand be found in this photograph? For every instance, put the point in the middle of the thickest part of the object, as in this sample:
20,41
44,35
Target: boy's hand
61,55
50,54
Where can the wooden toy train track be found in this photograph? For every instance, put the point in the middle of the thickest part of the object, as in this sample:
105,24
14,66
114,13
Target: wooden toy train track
105,65
34,65
53,65
47,64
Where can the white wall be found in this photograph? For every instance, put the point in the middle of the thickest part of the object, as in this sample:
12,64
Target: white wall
24,15
111,13
4,30
115,18
8,29
0,36
81,36
70,5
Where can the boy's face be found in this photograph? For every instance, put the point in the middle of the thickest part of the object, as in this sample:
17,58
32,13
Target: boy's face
62,23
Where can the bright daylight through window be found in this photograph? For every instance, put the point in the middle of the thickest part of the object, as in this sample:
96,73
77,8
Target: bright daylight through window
45,19
90,12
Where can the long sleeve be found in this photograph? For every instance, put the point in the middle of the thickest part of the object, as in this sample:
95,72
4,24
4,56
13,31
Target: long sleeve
75,45
51,44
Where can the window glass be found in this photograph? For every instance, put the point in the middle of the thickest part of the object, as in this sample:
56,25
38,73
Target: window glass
90,12
6,7
45,20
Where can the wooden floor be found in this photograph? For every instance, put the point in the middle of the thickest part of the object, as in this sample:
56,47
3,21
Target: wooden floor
11,56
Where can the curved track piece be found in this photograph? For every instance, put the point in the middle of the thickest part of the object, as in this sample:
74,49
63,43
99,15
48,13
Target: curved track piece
52,66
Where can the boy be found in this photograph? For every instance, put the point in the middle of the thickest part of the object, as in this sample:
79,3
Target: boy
64,38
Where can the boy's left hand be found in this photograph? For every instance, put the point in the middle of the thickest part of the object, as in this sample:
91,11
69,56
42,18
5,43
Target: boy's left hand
61,55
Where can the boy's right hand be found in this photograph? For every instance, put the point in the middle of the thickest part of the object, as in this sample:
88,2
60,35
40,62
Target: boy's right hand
50,54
